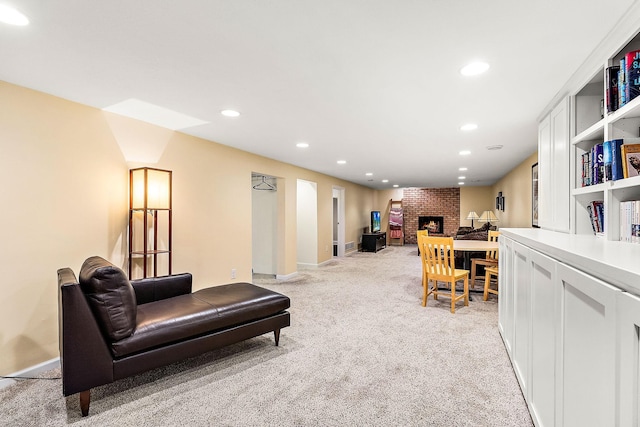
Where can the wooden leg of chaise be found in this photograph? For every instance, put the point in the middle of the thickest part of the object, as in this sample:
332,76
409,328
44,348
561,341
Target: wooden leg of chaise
276,333
85,399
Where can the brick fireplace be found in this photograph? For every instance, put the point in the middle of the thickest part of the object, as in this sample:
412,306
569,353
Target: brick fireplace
432,204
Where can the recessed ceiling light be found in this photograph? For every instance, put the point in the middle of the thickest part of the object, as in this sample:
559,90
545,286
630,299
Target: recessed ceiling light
464,152
395,186
369,174
385,180
494,147
229,113
469,127
461,183
462,169
302,145
462,177
474,68
342,162
10,16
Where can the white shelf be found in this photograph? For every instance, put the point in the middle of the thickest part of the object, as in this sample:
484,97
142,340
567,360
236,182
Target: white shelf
593,132
626,183
623,123
591,189
630,110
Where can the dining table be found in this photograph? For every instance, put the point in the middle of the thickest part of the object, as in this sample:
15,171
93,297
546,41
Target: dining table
468,246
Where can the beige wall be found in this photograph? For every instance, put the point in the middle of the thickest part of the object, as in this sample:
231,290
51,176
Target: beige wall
477,199
382,203
64,198
516,189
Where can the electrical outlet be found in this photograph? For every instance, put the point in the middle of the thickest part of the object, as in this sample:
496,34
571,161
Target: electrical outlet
233,273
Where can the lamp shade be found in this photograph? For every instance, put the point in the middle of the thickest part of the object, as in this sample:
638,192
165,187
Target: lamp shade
488,216
473,215
150,188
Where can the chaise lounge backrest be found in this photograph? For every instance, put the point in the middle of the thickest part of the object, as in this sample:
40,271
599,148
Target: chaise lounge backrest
85,334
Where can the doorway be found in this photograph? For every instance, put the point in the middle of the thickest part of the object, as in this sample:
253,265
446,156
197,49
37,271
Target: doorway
307,222
264,224
338,222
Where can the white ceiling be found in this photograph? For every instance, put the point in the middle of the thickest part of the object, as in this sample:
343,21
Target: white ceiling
373,82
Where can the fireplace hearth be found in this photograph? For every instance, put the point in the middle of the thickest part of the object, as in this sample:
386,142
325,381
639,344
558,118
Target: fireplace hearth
433,224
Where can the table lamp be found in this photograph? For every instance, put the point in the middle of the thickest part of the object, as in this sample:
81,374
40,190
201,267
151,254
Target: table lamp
472,215
488,216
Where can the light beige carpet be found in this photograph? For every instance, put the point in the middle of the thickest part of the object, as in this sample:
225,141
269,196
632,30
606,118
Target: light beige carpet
361,351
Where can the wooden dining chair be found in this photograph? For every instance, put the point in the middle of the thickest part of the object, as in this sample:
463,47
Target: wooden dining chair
490,259
420,234
439,266
490,272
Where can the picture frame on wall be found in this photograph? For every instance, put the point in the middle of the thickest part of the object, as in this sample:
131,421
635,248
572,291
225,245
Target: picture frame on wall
534,195
500,202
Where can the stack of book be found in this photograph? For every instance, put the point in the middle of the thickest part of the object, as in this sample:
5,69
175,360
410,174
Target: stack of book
596,215
623,81
610,161
630,221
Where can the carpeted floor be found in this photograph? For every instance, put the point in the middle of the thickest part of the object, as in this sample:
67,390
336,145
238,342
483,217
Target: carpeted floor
361,351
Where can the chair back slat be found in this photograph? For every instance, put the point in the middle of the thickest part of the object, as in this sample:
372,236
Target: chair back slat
493,237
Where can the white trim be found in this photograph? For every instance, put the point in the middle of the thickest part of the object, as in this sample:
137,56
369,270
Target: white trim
325,262
31,371
286,276
307,266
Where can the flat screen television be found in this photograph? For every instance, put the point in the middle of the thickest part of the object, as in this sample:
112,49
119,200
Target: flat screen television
375,221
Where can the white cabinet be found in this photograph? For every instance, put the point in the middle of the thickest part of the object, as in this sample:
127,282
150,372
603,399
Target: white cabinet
529,324
521,310
629,360
588,362
545,336
573,338
553,158
505,286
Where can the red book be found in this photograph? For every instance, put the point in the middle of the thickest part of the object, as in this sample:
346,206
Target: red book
632,65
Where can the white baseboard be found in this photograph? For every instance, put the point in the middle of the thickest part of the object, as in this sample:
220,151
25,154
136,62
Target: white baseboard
31,371
286,276
325,262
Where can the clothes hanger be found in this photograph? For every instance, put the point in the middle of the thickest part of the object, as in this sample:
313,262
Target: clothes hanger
264,185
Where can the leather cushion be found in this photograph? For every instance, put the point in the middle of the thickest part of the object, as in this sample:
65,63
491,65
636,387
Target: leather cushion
242,302
185,316
110,296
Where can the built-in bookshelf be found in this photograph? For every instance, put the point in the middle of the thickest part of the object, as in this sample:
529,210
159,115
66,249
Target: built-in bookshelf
592,124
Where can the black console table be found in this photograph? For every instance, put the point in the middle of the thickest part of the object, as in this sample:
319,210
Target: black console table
373,242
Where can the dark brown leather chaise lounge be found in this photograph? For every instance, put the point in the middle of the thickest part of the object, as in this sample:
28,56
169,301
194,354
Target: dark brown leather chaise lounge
111,328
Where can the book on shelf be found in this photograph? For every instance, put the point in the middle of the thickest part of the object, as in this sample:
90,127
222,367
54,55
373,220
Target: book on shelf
632,75
612,158
607,161
597,164
596,215
612,88
621,84
631,160
586,169
630,221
